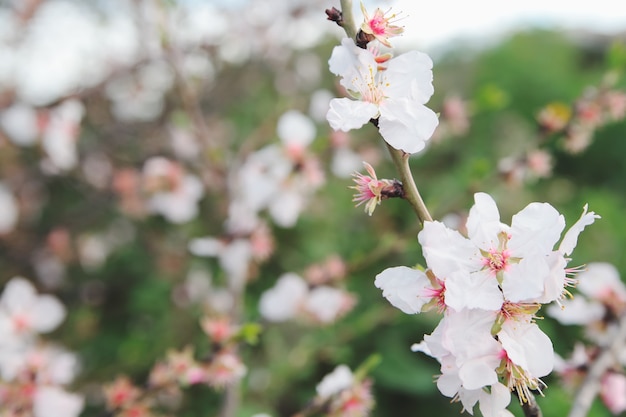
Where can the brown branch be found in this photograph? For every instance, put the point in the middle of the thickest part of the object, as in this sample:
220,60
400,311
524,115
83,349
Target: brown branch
530,407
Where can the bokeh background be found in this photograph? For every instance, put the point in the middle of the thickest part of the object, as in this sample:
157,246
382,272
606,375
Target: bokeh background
91,90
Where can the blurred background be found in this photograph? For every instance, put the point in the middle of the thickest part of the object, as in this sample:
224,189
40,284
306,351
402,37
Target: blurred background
134,135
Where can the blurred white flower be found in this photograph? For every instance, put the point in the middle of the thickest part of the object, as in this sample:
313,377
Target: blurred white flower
295,129
345,162
20,123
338,380
61,133
179,205
326,303
282,302
24,313
319,104
173,193
52,401
47,364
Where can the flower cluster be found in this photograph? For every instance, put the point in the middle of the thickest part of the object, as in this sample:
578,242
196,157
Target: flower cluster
180,369
390,91
292,297
371,191
278,178
33,374
489,286
162,187
56,130
596,108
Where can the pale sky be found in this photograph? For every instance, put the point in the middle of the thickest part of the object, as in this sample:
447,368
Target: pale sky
429,23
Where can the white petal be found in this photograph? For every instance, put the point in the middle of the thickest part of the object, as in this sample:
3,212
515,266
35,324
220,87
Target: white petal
355,65
479,372
285,208
345,114
51,401
234,260
449,384
469,398
577,311
571,237
47,314
325,303
535,229
554,284
404,288
338,380
406,124
467,334
525,280
281,302
600,279
494,403
19,295
483,223
478,290
527,346
410,75
205,246
447,251
449,370
294,128
344,57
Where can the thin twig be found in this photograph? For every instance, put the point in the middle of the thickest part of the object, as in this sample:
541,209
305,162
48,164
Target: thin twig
411,193
348,18
530,407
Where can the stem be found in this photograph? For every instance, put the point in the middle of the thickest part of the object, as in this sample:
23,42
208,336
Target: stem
531,408
411,194
232,399
348,19
591,385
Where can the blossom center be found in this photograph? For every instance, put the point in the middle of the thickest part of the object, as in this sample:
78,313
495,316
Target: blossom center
21,323
370,85
378,24
496,260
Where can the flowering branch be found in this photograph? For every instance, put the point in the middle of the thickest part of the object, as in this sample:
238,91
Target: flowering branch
591,385
400,158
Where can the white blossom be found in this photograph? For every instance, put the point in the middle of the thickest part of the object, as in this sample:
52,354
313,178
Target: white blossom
394,95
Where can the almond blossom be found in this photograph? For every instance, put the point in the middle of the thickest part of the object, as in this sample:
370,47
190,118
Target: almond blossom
343,394
172,192
394,95
278,178
291,297
370,190
379,26
32,373
473,359
24,313
489,285
516,263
